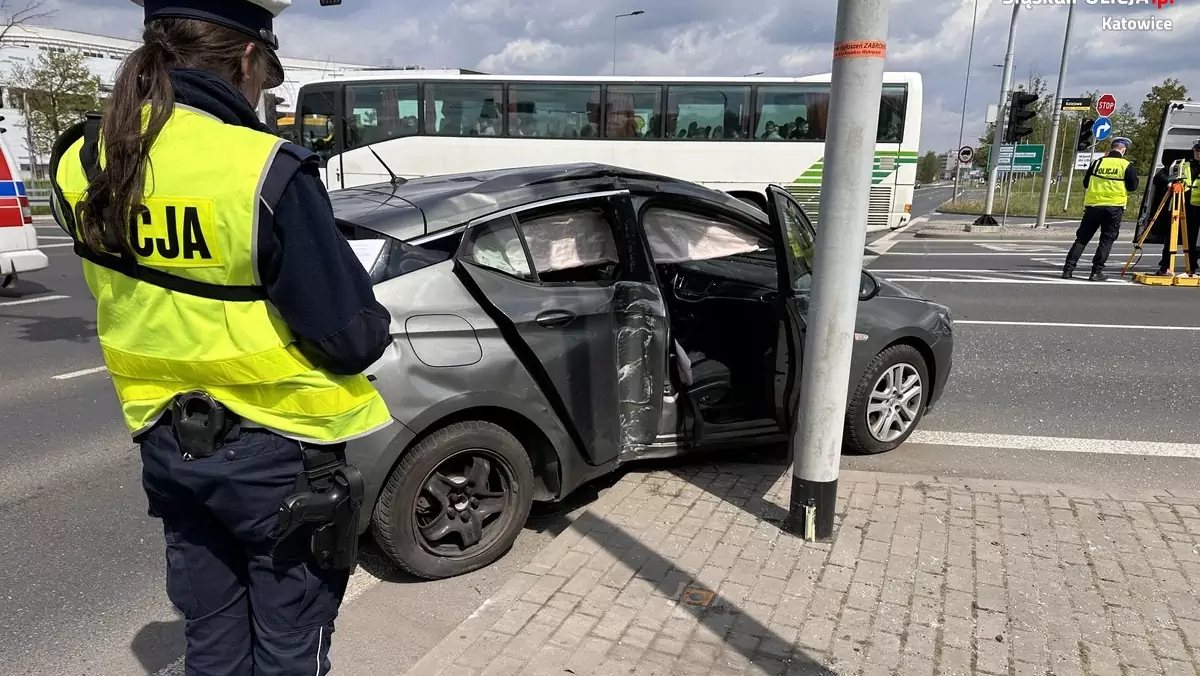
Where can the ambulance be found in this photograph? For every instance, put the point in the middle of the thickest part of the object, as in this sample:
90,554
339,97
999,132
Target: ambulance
18,238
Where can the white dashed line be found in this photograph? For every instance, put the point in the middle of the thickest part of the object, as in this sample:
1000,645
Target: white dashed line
77,374
1069,325
1057,444
28,301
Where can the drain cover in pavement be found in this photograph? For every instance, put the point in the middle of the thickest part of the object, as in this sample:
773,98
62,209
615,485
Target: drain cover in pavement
694,596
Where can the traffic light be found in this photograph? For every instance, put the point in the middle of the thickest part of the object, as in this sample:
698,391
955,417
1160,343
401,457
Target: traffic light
1019,126
1084,142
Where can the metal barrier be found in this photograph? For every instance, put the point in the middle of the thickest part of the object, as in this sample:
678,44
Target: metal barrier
38,197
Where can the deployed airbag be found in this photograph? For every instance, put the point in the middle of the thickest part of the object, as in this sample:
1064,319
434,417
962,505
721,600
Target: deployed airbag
679,237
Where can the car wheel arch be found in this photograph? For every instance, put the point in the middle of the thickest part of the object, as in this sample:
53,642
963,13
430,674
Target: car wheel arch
547,465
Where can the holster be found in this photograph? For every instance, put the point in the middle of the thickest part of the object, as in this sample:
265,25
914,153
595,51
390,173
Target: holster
329,496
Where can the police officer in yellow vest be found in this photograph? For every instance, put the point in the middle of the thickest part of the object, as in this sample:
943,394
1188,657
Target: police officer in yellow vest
236,323
1107,182
1190,178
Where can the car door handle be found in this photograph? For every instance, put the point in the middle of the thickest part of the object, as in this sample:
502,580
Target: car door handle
553,319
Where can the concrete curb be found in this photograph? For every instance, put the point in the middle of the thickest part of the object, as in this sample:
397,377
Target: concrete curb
1015,234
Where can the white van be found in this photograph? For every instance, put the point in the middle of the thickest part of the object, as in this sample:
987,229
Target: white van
18,238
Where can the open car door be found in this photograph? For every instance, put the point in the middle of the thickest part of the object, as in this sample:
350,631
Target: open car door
575,294
793,237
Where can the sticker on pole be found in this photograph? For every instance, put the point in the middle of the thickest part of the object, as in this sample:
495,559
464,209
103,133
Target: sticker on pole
965,154
859,49
1106,105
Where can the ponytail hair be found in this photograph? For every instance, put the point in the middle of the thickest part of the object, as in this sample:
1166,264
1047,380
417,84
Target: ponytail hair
128,134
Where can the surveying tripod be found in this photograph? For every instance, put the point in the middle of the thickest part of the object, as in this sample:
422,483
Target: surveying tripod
1175,198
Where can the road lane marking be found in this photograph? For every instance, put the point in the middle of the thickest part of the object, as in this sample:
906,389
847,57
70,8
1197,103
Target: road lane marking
41,237
76,374
55,246
1072,325
960,280
1019,254
887,241
1056,444
28,301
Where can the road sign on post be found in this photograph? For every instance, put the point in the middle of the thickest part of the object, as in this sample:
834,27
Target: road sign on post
965,154
1080,105
1022,158
1101,129
1106,105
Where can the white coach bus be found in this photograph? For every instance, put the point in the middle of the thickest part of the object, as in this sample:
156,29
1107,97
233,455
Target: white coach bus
732,134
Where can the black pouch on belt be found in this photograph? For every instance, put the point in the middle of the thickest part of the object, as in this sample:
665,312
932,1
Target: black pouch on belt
201,424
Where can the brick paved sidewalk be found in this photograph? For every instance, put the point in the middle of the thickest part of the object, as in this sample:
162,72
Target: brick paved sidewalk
687,572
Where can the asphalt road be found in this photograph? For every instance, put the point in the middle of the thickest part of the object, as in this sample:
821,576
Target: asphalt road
82,569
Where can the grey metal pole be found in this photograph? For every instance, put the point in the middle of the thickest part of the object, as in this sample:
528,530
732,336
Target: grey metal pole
860,37
615,43
963,118
1071,178
1001,114
1055,116
33,154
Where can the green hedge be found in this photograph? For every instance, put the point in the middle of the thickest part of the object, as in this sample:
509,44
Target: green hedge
1024,197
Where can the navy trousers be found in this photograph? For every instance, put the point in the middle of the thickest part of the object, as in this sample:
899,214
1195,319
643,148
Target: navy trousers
250,608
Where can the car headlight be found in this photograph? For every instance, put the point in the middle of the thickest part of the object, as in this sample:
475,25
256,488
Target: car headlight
944,315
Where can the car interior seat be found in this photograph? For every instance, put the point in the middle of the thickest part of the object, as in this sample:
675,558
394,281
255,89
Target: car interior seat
708,381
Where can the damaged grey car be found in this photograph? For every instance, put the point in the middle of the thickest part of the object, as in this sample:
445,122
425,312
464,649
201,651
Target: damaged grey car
553,323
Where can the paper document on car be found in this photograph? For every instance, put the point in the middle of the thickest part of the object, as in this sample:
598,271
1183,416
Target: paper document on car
368,251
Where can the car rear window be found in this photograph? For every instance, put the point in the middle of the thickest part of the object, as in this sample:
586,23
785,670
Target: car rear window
396,257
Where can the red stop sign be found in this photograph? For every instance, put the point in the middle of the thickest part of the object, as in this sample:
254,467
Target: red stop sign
1106,105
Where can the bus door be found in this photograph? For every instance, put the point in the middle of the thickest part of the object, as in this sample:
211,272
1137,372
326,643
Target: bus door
317,130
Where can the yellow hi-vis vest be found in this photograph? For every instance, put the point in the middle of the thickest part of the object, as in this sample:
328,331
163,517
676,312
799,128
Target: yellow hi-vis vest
1191,184
1106,186
203,186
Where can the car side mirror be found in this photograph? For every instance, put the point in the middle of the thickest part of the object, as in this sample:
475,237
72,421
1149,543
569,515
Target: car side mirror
868,287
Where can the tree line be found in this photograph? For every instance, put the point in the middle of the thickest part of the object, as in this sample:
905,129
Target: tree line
1141,125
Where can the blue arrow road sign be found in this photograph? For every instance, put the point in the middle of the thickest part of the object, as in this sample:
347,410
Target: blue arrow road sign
1102,128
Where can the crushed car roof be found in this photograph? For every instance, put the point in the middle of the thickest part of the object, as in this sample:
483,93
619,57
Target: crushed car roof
431,204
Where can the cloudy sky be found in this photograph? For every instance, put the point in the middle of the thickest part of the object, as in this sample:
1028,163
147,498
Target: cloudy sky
730,38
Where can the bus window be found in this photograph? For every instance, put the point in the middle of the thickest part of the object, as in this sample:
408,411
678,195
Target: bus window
378,112
463,108
792,112
554,111
891,113
707,112
314,122
634,111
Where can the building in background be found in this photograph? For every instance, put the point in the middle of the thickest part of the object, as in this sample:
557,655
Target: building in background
104,55
949,161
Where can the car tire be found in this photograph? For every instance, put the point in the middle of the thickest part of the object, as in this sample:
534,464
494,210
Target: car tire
897,359
406,500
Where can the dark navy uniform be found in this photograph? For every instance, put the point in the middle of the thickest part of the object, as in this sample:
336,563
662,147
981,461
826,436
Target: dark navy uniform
1107,184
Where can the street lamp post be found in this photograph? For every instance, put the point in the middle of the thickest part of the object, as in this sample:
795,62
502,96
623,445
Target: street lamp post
966,88
633,13
1001,114
1056,116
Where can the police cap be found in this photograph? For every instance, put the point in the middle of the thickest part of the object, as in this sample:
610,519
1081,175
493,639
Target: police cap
1196,144
255,18
1122,141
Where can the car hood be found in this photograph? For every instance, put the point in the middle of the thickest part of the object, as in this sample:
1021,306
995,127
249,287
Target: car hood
894,290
